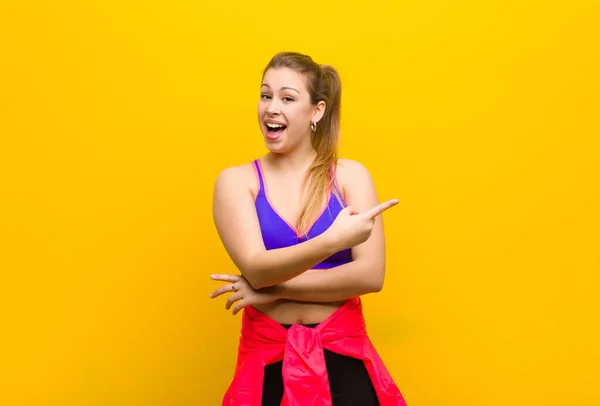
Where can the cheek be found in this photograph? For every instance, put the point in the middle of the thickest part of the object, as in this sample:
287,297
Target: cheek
299,116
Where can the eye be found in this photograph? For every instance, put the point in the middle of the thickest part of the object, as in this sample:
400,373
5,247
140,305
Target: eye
288,99
265,96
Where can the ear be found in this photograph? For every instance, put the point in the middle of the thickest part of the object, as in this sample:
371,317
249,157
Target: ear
318,111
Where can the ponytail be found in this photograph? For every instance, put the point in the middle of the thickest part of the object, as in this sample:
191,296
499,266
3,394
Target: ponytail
323,84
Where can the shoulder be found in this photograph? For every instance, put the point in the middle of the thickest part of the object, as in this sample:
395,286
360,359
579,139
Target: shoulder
238,176
355,182
351,171
353,179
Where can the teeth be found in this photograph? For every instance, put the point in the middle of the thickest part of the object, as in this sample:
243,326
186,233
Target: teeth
271,125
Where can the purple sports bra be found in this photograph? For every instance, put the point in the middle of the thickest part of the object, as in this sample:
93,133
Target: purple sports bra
278,233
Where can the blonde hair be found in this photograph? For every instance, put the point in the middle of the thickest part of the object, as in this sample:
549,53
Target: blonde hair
323,83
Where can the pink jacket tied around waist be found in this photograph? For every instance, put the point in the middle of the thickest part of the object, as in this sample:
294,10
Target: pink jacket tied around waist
264,341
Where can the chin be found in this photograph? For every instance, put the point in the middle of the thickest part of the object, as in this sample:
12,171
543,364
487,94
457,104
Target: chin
277,145
275,148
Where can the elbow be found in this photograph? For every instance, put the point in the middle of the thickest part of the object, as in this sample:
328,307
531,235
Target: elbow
376,281
254,279
371,277
261,283
376,286
256,283
254,274
248,274
251,273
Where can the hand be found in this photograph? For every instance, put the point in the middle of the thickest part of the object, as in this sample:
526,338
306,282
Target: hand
242,291
352,228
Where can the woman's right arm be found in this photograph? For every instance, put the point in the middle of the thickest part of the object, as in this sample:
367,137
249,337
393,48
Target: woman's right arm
237,223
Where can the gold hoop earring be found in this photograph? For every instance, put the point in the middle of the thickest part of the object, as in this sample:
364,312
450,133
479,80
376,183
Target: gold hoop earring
313,126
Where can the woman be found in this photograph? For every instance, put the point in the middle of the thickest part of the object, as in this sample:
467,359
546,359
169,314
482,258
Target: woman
302,226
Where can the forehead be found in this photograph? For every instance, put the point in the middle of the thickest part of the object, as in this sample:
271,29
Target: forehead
284,77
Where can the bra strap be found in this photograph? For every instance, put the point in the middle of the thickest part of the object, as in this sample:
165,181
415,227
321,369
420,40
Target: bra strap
332,176
334,183
259,175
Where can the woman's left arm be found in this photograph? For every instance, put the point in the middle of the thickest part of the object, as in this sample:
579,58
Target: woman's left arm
366,273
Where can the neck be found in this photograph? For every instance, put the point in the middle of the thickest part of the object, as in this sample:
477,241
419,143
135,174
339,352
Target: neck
298,160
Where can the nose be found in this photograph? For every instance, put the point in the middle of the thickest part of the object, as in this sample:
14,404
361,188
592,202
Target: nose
273,107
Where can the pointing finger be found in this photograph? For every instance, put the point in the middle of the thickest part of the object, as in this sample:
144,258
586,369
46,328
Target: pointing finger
380,208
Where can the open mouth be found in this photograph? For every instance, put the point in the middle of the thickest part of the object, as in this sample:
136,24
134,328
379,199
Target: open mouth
274,130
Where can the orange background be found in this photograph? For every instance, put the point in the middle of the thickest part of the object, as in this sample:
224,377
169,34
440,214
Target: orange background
481,117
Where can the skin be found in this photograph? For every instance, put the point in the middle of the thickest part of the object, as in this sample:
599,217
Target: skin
294,293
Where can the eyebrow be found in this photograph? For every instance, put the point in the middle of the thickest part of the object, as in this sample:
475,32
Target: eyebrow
283,88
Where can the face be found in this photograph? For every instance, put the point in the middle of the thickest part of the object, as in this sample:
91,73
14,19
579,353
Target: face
285,110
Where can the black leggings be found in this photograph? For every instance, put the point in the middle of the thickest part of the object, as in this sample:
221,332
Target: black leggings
349,381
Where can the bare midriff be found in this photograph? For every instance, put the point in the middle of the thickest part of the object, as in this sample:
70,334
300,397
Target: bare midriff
286,311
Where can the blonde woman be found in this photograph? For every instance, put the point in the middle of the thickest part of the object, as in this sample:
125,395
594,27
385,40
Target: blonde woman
305,231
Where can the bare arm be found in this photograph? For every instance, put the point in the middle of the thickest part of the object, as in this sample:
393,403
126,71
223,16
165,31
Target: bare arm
366,273
237,224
